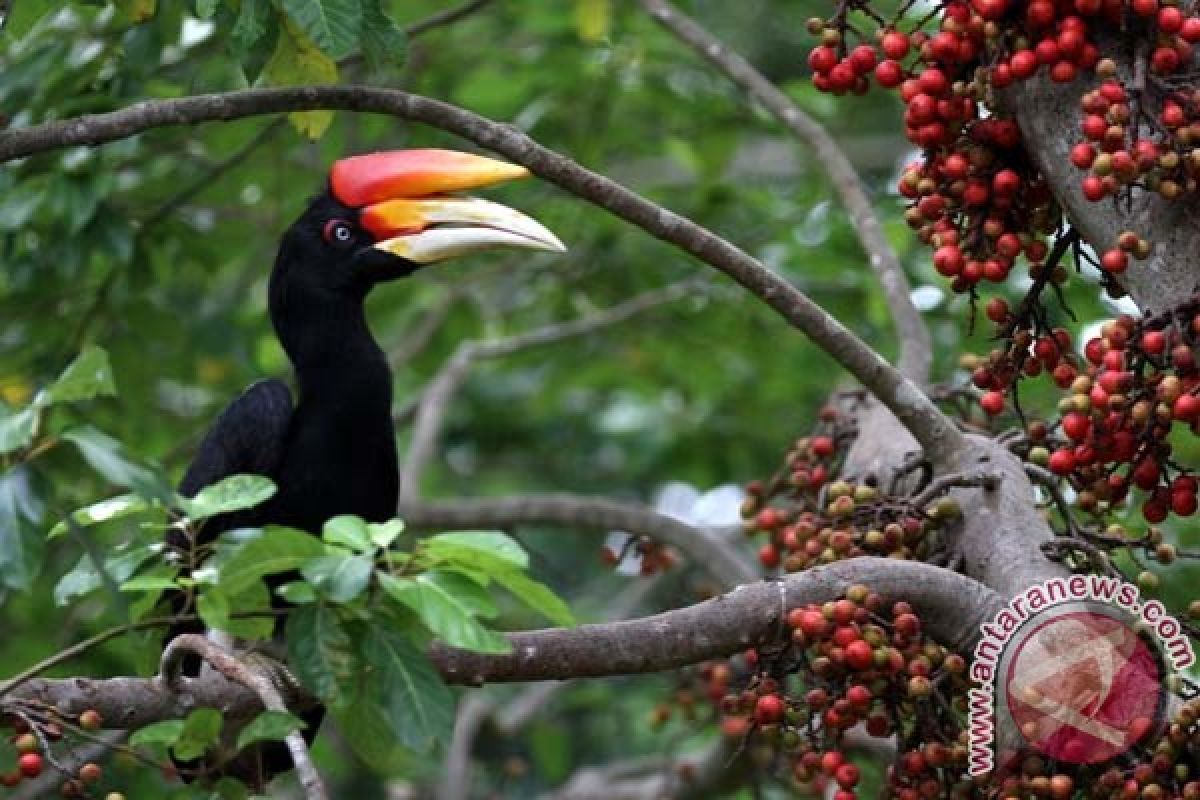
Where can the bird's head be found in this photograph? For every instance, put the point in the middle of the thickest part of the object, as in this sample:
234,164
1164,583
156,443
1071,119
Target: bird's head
386,215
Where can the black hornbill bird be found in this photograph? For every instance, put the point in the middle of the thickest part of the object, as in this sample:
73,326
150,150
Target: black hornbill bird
382,217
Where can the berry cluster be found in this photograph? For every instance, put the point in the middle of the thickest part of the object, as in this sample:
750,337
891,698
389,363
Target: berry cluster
33,740
811,517
975,196
847,662
1140,380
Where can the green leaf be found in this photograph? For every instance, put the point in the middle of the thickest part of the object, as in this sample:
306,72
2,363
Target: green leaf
244,559
538,596
297,593
24,14
83,577
383,41
475,548
367,731
119,507
165,733
384,533
332,24
251,24
447,604
21,545
206,8
106,456
416,705
350,531
16,430
88,376
320,652
234,493
218,609
340,577
269,726
298,62
201,729
160,578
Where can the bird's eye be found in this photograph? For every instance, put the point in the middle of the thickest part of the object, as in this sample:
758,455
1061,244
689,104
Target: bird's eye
338,232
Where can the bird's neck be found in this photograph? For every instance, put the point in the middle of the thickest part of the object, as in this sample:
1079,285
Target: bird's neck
335,356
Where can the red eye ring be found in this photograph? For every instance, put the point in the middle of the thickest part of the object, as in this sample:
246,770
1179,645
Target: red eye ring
338,232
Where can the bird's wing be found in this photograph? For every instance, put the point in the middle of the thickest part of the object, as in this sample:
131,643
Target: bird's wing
248,437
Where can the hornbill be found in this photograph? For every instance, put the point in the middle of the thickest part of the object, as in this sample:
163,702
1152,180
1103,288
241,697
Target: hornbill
383,216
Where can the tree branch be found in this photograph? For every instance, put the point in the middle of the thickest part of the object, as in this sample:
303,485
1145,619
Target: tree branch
916,352
933,429
951,606
711,552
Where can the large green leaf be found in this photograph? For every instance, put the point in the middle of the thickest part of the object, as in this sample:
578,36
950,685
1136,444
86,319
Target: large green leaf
538,596
201,729
269,726
107,456
383,41
119,507
234,493
298,62
243,559
339,576
417,706
160,733
333,24
218,610
251,24
320,652
120,565
475,548
21,544
350,531
448,604
88,376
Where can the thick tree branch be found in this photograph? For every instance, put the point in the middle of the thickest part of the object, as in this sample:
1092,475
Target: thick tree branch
709,551
933,429
436,400
951,606
916,352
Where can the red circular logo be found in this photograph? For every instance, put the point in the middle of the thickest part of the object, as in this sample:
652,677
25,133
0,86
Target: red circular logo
1083,687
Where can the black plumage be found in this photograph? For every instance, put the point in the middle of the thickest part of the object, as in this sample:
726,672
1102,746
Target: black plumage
334,452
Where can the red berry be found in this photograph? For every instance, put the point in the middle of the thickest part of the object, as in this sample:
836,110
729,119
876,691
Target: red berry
992,402
859,655
1076,425
1083,155
846,776
895,45
30,764
1062,462
1114,261
769,709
